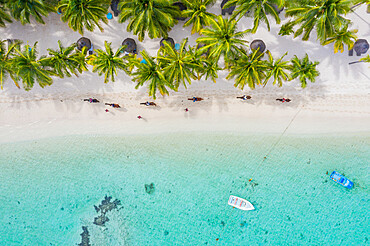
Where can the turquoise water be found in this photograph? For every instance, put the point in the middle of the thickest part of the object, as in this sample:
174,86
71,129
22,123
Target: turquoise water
49,188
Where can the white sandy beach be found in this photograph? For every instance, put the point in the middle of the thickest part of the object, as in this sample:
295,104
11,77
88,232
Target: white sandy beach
338,102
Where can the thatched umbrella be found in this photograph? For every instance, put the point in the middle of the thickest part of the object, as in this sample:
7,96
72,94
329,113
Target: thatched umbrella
130,45
229,10
84,42
114,7
169,40
258,44
182,7
361,46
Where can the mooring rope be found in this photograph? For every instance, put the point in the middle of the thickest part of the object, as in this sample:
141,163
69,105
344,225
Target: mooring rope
276,143
264,158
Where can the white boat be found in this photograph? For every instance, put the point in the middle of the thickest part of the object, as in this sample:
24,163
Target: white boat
240,203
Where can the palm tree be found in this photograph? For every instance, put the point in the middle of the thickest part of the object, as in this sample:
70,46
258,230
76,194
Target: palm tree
4,16
79,57
209,68
132,63
198,15
82,14
326,16
304,69
222,39
63,61
342,37
286,29
366,59
196,60
107,63
259,8
22,10
155,17
248,69
178,66
6,67
151,73
278,69
29,69
204,65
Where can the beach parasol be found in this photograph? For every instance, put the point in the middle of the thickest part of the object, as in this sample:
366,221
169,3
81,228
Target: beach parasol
258,44
182,7
361,46
229,10
114,7
169,40
130,45
83,42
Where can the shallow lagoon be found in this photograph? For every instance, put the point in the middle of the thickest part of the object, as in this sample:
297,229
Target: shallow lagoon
49,188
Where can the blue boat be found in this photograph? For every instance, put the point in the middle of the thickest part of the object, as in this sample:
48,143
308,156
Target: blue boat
340,179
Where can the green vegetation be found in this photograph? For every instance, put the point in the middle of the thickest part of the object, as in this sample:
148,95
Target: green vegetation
4,16
22,10
107,63
82,14
366,59
248,69
198,15
6,68
325,16
278,69
304,69
65,61
222,39
208,68
178,66
258,8
151,72
29,69
341,38
172,68
154,17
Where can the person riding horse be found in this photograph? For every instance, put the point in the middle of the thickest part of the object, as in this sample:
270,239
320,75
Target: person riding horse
114,105
195,99
244,97
149,103
91,100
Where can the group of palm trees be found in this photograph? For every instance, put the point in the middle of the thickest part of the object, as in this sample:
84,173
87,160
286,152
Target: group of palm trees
169,70
174,67
156,17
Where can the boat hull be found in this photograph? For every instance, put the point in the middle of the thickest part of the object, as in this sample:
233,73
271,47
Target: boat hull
240,203
340,179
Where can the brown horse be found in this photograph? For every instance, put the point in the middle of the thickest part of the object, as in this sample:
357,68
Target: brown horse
114,105
283,99
91,100
195,99
244,97
149,104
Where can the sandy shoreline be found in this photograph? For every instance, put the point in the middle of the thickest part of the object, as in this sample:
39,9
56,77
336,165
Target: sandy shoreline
338,102
338,114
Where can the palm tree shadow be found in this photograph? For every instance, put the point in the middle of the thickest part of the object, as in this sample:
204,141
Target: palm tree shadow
298,96
68,105
330,63
222,104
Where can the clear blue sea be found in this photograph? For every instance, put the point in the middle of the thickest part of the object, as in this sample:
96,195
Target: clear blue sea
49,187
